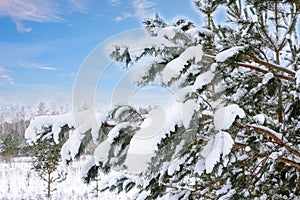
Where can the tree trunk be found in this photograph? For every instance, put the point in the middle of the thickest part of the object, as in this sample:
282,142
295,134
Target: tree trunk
49,184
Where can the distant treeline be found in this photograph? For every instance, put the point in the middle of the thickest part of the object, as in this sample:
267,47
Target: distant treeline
14,119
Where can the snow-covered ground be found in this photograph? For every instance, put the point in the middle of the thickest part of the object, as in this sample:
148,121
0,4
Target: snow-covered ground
19,181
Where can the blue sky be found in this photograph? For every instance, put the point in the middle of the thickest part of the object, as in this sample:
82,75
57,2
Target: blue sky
43,43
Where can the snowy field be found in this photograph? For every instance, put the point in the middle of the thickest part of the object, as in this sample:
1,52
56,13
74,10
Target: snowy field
18,181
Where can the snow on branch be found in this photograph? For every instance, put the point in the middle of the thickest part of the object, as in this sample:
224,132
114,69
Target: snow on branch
225,116
199,30
168,32
39,124
41,127
257,68
297,76
220,144
272,66
277,137
228,53
175,67
114,133
290,162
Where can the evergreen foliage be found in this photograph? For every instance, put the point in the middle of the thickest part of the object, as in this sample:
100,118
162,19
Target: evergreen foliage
11,144
46,158
238,133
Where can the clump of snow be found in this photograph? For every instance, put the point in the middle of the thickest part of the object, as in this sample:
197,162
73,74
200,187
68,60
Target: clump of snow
71,147
194,32
220,144
168,32
247,149
160,122
239,94
193,52
114,133
203,79
297,76
174,67
200,166
225,116
86,121
259,118
102,151
267,78
38,125
175,165
87,166
188,110
224,55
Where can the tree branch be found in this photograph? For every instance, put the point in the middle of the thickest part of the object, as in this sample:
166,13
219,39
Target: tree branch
252,67
258,69
272,66
290,162
274,137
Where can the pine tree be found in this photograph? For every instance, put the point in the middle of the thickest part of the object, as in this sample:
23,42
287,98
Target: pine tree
234,132
46,157
10,144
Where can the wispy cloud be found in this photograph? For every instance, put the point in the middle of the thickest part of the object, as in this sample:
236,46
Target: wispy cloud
114,2
123,17
139,9
47,68
21,28
5,77
78,5
142,7
31,10
37,66
37,11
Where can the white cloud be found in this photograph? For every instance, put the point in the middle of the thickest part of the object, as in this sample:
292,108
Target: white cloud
139,9
46,68
142,7
79,5
37,66
31,10
37,11
118,19
5,77
21,28
114,2
123,17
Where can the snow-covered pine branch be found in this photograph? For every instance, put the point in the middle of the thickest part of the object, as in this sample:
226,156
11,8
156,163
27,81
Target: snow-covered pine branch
234,130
